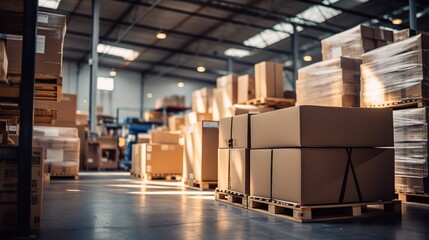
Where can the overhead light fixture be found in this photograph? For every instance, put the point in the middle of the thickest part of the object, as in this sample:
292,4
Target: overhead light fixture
149,95
201,69
180,84
126,53
235,52
72,190
104,83
161,35
307,58
49,3
112,72
397,21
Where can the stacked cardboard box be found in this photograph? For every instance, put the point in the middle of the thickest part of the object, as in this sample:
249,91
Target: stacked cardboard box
3,61
202,100
355,41
246,88
9,191
300,155
171,101
234,153
176,122
269,80
66,110
61,149
396,72
334,82
224,96
411,150
200,153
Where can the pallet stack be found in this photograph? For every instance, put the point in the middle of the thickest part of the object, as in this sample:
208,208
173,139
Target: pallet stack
335,81
395,77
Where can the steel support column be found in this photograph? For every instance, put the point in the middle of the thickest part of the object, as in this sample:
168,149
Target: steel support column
26,105
295,55
230,66
413,14
142,96
94,66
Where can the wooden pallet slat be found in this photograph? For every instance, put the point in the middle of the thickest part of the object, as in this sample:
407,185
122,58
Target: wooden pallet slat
51,176
415,198
160,176
231,197
200,185
303,214
272,102
407,103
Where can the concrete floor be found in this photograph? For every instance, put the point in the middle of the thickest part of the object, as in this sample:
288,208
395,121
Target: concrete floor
100,206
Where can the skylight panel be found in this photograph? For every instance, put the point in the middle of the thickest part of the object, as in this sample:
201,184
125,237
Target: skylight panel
127,54
235,52
49,3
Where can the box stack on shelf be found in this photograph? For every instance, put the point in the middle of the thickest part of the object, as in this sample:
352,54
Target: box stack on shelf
8,191
395,76
173,100
224,96
336,80
61,148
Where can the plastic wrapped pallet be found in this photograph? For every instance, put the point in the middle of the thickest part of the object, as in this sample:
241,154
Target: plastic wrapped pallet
355,41
61,149
334,82
396,72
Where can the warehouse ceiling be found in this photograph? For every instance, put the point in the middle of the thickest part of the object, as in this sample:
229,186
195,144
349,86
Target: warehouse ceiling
219,35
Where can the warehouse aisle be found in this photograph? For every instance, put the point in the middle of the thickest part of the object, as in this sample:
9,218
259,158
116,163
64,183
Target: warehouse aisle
101,206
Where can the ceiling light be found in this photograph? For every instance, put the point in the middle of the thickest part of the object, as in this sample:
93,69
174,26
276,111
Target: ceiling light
149,95
201,69
72,190
112,73
127,54
104,83
397,21
161,35
307,58
235,52
180,84
49,3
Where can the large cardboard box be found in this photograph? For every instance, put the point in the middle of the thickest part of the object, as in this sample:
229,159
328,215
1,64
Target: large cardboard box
312,176
188,151
245,88
234,132
239,109
51,29
269,80
3,62
222,104
194,117
234,170
66,110
202,100
316,126
176,122
164,137
203,164
161,159
229,84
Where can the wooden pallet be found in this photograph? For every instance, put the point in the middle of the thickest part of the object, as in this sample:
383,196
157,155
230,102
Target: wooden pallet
200,185
418,198
231,197
409,103
317,213
46,88
52,176
273,102
42,116
161,176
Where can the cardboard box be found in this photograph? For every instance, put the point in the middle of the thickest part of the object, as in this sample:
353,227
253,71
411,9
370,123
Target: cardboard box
239,109
202,100
162,159
315,126
3,62
312,176
245,88
51,29
66,110
188,151
194,117
229,84
164,137
203,163
269,80
222,104
234,132
411,184
176,122
151,116
234,170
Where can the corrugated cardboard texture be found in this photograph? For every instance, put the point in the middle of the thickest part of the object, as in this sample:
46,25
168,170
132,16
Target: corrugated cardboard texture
193,117
315,126
205,139
260,172
162,159
222,167
240,131
66,110
314,176
164,137
269,80
240,170
245,88
239,109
